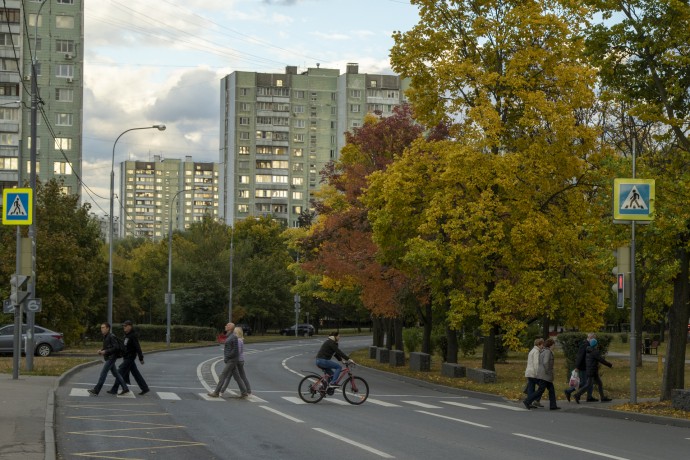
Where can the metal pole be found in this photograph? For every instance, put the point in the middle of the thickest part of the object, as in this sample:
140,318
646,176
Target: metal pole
16,344
633,326
232,254
110,230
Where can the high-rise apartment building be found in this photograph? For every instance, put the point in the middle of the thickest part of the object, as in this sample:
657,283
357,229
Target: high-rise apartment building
278,131
52,33
154,192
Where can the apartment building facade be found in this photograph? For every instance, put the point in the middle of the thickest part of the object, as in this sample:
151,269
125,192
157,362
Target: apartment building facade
278,131
52,33
165,193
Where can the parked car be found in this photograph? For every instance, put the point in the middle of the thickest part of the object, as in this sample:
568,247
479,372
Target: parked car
45,340
246,328
302,329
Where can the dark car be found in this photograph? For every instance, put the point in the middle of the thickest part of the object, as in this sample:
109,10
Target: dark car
246,328
302,329
45,340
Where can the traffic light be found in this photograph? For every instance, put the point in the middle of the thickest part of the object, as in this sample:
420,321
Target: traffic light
622,272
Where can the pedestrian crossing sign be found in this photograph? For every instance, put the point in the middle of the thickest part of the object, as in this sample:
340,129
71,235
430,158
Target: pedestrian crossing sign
633,200
17,206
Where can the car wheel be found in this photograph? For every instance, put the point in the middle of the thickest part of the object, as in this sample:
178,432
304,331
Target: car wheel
43,350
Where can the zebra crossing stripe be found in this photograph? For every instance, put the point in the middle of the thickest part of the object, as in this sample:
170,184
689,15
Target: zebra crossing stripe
505,406
168,396
421,404
466,406
378,402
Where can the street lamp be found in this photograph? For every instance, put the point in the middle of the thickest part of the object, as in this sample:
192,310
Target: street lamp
110,231
168,297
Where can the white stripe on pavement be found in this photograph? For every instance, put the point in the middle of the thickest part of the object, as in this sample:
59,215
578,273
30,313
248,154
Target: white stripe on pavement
289,417
354,443
453,419
421,404
567,446
466,406
167,395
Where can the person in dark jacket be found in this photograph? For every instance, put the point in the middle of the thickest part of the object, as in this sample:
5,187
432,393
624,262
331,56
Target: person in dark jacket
581,366
109,351
231,356
592,362
326,352
128,364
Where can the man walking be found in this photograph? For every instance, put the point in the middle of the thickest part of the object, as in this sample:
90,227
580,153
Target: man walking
129,365
581,366
109,351
231,356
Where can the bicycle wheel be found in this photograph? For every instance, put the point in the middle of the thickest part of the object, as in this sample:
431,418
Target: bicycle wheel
355,390
310,389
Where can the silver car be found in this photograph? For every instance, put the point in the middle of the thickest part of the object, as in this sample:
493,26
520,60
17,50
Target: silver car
45,340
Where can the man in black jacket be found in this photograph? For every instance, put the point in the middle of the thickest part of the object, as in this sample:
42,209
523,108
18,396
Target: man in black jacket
326,352
109,352
581,366
593,359
128,364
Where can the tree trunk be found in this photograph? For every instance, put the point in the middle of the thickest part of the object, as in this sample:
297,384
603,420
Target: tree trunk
388,327
452,353
398,330
674,366
426,337
377,332
489,353
545,327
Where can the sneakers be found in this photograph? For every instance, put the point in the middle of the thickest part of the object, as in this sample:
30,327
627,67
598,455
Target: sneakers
567,395
123,392
92,392
592,400
528,406
111,392
537,404
143,392
606,399
213,394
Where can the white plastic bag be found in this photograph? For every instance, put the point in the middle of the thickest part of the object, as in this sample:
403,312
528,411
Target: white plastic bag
575,378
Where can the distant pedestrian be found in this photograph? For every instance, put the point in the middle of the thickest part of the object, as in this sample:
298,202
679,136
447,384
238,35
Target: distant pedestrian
593,359
581,366
545,375
239,371
109,351
231,356
532,369
128,364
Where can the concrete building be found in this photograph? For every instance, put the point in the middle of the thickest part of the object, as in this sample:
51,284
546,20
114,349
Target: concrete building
278,131
54,35
154,192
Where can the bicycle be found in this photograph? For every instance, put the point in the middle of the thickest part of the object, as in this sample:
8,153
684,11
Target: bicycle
313,387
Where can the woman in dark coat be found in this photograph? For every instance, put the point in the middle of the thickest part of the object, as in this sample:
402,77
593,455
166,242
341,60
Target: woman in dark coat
593,359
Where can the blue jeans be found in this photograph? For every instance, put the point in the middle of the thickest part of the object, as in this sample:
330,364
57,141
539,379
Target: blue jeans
543,386
109,366
332,367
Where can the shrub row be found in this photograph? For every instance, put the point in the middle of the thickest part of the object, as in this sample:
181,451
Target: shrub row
156,333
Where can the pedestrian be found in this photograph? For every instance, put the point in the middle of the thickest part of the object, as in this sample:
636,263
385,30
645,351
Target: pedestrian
532,369
592,362
231,356
581,366
239,332
109,351
545,377
128,364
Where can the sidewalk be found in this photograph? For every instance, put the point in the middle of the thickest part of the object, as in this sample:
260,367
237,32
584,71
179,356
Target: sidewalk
27,417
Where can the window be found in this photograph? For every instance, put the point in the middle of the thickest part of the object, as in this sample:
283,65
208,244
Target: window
64,46
280,179
243,150
356,93
28,167
32,20
9,89
63,143
244,136
298,167
298,109
64,95
297,195
63,119
62,167
245,106
243,194
263,120
9,114
9,64
298,94
263,178
65,2
28,142
300,124
242,208
297,152
8,164
64,70
354,108
9,39
299,138
372,83
64,22
297,209
279,82
244,91
297,181
9,15
391,94
244,179
244,121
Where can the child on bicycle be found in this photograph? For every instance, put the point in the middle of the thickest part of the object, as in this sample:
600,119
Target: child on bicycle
326,352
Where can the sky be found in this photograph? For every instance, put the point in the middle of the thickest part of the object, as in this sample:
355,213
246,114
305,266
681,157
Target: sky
161,61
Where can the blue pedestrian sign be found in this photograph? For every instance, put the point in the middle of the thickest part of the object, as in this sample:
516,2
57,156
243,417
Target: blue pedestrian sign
633,199
17,206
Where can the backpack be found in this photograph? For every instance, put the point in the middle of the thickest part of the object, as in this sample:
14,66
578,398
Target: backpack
119,347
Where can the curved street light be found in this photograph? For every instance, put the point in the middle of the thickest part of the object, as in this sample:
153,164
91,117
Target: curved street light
168,297
110,231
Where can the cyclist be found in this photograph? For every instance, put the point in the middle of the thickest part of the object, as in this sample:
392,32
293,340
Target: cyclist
326,352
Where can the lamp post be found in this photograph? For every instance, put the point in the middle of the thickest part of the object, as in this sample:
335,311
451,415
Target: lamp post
168,297
110,231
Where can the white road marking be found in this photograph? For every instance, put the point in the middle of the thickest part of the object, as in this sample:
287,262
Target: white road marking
354,443
339,402
207,397
568,446
167,395
466,406
505,406
255,399
453,419
293,400
79,392
421,404
378,402
277,412
201,377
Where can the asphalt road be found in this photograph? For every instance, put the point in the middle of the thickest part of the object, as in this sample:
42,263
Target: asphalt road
401,419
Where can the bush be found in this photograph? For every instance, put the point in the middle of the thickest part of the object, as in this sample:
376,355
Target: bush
156,333
468,345
412,338
570,342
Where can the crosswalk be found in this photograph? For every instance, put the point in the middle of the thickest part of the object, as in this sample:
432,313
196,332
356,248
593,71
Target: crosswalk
230,394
